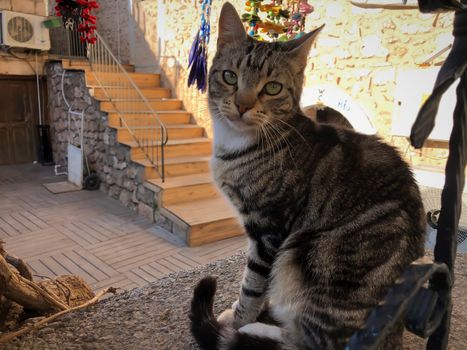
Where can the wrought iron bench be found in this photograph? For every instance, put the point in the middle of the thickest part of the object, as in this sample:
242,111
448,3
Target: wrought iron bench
426,307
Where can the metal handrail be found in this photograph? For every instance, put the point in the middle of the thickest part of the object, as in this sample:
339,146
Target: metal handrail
148,131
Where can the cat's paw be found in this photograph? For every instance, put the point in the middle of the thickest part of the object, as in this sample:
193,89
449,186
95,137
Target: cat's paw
226,318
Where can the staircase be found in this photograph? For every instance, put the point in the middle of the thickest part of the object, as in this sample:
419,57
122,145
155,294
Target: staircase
187,197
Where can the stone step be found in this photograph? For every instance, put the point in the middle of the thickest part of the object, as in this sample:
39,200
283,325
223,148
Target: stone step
203,221
119,93
140,106
142,80
145,119
200,146
174,132
187,188
177,166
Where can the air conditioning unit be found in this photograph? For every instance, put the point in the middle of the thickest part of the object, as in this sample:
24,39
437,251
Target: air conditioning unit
23,31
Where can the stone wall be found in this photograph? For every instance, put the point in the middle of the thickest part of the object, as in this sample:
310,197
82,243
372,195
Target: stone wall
121,178
359,51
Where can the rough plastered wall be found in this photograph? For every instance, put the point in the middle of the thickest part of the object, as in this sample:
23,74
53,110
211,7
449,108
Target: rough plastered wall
113,23
359,51
10,65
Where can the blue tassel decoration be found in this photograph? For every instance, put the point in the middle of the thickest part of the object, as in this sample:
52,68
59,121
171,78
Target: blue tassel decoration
197,59
193,50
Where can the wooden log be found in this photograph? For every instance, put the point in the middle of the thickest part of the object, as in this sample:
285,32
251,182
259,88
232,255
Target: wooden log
26,293
20,265
71,289
2,250
9,336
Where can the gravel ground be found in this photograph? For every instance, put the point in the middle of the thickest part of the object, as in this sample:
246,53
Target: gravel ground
155,316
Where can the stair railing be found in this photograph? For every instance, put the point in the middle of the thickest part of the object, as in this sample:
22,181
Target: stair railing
135,112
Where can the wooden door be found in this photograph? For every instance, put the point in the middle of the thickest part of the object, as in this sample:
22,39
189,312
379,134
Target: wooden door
18,119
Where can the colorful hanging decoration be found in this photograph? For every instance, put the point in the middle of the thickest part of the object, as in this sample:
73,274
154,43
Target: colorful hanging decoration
197,59
77,16
285,20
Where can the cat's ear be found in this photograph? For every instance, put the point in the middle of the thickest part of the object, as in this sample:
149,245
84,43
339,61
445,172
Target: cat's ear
299,48
230,26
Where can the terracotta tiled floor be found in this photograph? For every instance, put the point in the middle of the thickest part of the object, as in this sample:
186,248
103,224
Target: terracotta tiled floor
89,234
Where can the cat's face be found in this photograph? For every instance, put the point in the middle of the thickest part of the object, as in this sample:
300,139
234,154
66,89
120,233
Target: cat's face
252,84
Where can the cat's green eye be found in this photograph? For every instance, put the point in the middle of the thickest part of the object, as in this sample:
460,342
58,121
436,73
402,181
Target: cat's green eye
229,77
273,88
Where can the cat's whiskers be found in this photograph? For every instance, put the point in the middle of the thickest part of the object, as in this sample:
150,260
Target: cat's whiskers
269,148
259,137
265,144
273,145
294,129
276,131
219,115
280,133
272,133
265,131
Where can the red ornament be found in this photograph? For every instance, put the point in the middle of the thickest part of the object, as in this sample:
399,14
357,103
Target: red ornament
79,12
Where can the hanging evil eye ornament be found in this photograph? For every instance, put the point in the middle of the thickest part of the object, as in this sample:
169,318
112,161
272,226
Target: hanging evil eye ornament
70,11
296,25
251,17
197,60
284,20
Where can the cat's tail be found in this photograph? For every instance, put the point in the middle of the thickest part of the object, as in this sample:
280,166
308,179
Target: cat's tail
204,325
210,334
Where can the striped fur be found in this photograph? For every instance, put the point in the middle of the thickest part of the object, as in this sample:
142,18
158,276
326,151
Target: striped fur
333,217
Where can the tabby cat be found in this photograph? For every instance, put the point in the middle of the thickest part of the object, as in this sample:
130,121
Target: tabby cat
333,217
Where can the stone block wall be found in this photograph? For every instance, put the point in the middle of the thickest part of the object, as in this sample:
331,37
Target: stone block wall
121,178
33,7
10,65
359,51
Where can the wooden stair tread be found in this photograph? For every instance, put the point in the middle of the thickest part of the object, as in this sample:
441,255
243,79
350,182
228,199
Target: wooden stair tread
116,92
168,126
131,74
141,100
202,211
177,160
83,64
172,142
108,79
144,88
149,106
139,105
169,111
180,181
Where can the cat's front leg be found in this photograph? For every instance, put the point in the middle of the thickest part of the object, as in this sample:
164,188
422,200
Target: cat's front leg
254,284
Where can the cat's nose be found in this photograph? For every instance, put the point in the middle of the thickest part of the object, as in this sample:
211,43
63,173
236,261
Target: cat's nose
244,100
242,109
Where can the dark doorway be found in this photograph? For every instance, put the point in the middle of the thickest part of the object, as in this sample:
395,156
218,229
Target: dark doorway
19,116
